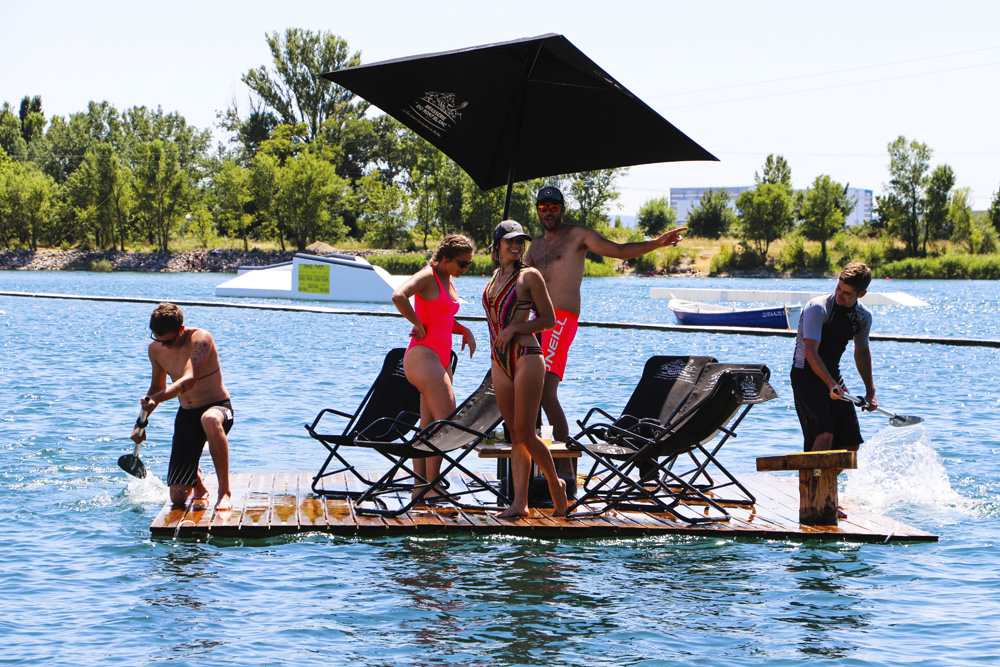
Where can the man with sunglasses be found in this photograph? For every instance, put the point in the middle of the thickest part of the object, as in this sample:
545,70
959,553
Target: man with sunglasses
559,253
190,358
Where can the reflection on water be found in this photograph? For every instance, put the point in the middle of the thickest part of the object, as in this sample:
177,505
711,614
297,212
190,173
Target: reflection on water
829,600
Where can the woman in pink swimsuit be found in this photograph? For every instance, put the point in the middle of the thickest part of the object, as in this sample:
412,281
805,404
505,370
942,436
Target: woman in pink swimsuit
427,361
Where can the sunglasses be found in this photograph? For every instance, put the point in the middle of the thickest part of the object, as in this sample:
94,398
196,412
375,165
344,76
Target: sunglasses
542,208
463,264
164,341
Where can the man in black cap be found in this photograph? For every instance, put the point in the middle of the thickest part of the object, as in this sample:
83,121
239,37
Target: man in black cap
559,254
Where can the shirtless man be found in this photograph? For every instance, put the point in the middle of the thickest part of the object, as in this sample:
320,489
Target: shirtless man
559,254
189,357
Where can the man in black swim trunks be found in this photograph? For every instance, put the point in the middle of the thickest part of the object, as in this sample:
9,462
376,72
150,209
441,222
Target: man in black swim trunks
191,360
827,324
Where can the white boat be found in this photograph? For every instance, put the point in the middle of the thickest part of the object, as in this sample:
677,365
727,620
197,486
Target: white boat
695,313
783,296
314,277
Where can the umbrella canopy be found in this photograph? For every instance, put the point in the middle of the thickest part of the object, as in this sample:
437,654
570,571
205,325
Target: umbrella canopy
518,110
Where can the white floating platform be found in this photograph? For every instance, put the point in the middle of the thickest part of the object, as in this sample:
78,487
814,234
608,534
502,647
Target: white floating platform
783,296
316,278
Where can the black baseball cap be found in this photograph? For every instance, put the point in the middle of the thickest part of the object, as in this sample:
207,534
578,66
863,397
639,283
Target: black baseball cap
549,193
509,229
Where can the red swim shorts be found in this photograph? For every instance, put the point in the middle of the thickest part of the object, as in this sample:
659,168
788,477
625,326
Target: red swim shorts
556,341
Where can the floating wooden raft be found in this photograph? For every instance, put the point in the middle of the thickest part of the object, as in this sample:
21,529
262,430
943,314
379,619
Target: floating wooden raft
271,504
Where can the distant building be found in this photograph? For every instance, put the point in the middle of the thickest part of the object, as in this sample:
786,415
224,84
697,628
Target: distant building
685,199
862,207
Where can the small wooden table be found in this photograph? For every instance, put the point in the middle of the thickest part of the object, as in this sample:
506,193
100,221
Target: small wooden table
501,452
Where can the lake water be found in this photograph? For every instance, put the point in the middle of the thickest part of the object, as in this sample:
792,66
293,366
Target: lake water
83,582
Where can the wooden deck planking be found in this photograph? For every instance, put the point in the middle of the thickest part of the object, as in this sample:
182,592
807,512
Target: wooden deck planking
270,504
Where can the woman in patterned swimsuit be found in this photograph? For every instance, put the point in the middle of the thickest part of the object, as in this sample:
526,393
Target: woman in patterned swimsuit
427,362
518,366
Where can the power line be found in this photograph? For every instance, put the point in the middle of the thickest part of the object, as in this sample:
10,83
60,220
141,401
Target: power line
818,74
831,87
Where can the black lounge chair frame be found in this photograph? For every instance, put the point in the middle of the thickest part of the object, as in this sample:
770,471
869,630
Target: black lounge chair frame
633,464
452,439
390,395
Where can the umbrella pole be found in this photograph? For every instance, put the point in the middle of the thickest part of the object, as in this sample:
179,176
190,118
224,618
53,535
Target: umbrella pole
510,189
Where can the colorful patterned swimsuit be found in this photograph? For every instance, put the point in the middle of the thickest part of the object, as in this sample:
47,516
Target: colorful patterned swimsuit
499,312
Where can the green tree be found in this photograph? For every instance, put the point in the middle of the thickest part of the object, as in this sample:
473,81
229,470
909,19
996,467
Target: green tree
286,141
656,216
385,212
11,141
480,211
776,171
712,217
960,217
8,231
308,189
294,88
142,126
594,192
27,197
250,133
908,165
232,198
161,190
765,215
993,214
936,219
825,208
101,194
70,138
201,227
32,119
263,188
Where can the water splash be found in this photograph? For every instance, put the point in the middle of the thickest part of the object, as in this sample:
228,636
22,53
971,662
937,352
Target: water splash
899,466
149,490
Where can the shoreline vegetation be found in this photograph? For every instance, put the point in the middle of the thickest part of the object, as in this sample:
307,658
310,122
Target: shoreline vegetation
697,260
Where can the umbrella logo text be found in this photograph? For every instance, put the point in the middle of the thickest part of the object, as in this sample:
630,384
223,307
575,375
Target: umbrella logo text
438,112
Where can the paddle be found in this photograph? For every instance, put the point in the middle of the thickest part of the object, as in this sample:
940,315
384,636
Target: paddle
130,463
895,420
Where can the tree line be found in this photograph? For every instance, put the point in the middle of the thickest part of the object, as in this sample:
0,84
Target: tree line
305,161
920,209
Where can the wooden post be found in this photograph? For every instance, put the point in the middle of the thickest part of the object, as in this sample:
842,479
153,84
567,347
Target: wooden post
818,473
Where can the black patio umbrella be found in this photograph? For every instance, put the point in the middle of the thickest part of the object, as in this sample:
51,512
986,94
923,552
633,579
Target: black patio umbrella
518,110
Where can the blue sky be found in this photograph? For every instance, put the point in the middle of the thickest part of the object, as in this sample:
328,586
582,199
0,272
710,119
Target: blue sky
827,85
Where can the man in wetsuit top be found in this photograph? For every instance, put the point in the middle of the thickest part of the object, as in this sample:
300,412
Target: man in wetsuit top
559,254
827,324
191,360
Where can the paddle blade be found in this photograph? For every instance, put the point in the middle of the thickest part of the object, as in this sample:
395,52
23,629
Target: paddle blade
903,420
131,464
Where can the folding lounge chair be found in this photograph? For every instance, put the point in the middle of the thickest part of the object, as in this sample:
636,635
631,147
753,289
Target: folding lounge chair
636,461
664,386
705,460
452,439
391,395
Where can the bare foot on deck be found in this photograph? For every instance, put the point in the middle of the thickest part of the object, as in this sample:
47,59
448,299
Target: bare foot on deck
560,501
200,491
512,512
224,504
